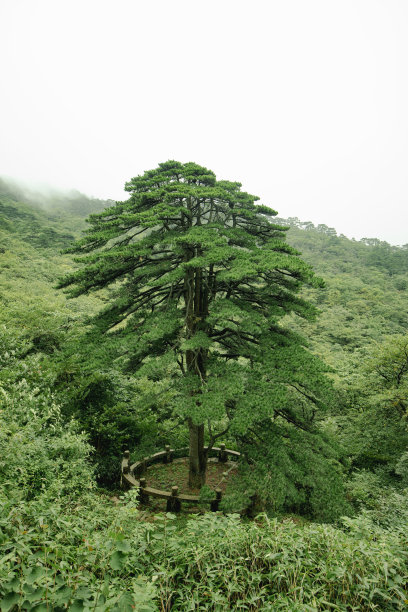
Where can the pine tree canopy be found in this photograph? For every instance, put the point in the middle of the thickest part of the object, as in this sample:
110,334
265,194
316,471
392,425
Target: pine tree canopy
201,276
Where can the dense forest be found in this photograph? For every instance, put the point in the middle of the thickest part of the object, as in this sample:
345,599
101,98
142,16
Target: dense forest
295,354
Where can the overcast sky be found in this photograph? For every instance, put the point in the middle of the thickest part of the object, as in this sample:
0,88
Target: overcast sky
303,101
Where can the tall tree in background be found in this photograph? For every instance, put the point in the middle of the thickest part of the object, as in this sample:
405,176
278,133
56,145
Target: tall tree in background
201,276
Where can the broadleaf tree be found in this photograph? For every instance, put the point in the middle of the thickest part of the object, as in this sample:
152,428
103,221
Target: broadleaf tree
201,277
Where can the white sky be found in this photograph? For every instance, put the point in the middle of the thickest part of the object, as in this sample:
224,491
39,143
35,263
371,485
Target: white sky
303,101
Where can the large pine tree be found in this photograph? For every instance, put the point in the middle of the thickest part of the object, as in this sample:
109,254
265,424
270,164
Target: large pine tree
202,276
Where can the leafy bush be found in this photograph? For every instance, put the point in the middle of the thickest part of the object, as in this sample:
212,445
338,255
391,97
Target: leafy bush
58,555
390,512
364,488
108,407
51,518
40,454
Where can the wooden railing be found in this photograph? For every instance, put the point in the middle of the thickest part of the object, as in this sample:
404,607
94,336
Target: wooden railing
134,475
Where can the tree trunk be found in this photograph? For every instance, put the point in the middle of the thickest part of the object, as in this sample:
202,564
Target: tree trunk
196,300
197,457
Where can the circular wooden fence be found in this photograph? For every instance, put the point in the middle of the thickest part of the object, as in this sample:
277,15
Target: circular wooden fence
134,475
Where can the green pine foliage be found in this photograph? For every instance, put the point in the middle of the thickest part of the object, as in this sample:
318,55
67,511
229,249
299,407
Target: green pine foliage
198,272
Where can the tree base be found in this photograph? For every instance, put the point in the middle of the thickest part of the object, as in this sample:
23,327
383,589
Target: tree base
196,481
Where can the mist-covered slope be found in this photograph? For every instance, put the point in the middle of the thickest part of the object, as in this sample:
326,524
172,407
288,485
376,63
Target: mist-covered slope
31,242
44,220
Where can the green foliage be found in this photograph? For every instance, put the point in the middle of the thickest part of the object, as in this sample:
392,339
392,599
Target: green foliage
389,372
373,427
115,411
374,435
104,558
361,332
40,454
76,556
364,489
206,494
21,219
289,469
225,565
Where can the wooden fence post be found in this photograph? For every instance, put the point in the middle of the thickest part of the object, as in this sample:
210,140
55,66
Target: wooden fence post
222,454
143,466
215,503
126,462
143,497
168,457
125,469
173,502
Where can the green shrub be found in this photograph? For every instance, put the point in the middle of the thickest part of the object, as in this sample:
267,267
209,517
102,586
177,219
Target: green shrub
40,454
364,488
61,544
56,555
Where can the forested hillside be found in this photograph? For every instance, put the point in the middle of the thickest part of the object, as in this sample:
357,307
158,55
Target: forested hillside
329,472
365,294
